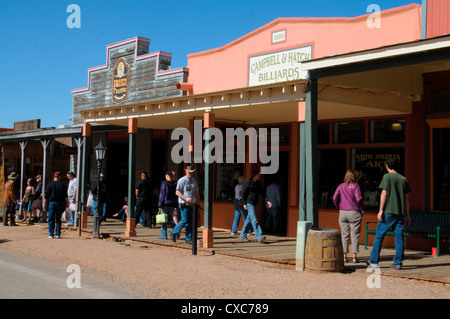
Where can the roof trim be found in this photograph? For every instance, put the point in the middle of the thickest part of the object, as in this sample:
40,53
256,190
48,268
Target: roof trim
392,51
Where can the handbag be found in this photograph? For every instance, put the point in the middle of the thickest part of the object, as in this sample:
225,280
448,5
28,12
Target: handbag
161,217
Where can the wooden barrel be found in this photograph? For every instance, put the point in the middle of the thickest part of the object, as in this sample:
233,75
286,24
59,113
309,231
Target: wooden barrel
323,251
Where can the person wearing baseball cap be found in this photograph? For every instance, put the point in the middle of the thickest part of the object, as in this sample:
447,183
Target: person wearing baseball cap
55,201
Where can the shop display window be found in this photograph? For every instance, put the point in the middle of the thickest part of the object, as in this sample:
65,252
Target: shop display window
226,180
387,131
323,133
227,173
441,169
349,132
441,101
353,146
332,168
371,163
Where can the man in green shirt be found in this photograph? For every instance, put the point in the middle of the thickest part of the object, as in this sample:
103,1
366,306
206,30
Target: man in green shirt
393,214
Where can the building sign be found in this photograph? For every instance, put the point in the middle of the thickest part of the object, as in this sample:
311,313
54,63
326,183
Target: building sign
280,66
278,36
371,163
120,78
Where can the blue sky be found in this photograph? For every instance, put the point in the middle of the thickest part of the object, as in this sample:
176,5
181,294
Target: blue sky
43,60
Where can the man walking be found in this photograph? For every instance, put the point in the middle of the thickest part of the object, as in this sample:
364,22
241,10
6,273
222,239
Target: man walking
394,213
251,191
188,196
56,200
10,199
144,200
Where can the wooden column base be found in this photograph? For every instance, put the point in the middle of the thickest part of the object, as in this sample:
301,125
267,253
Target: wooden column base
208,237
130,230
84,218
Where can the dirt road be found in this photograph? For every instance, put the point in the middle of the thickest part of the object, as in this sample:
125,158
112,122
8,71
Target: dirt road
173,273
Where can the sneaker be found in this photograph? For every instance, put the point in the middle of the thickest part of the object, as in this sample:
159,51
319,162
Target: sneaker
261,239
51,237
57,237
396,266
234,234
245,239
172,237
189,242
371,264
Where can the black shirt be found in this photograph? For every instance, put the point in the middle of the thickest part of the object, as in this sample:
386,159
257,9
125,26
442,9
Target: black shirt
250,191
102,194
56,191
145,196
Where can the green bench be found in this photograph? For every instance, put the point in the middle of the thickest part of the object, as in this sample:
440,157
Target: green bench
423,225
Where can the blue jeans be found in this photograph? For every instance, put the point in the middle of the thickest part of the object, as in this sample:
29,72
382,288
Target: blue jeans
396,223
102,208
55,210
251,219
169,212
186,221
238,212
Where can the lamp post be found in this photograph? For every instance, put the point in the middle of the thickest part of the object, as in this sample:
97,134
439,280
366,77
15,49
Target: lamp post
100,152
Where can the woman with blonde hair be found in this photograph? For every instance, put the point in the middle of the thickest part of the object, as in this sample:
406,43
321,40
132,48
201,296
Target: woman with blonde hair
349,201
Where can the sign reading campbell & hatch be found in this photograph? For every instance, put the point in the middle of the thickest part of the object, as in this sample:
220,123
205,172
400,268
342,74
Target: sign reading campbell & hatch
120,81
280,66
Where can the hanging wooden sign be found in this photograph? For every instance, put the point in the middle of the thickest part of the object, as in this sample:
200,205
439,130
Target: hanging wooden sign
120,79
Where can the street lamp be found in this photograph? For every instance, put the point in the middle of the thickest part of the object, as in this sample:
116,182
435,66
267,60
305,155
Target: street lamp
100,153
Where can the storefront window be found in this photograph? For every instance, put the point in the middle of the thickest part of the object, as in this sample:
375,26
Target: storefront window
226,179
349,132
387,131
227,173
441,100
371,163
332,168
441,168
323,133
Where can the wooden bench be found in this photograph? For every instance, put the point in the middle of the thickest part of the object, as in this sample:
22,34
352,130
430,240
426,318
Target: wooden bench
423,225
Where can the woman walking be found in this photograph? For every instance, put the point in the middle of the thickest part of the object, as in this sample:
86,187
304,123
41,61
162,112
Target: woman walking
349,201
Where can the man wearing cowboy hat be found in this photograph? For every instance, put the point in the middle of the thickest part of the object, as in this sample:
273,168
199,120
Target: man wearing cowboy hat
188,195
10,199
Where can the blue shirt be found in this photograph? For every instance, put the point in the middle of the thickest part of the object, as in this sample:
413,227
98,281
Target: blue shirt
188,187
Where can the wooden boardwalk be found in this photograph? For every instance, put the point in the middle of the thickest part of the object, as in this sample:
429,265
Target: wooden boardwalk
281,251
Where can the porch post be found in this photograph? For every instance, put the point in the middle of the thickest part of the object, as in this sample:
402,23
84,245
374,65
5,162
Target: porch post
208,234
23,145
131,216
86,134
312,209
303,225
44,142
302,169
77,219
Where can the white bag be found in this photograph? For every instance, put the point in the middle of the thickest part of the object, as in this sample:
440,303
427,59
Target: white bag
66,215
90,200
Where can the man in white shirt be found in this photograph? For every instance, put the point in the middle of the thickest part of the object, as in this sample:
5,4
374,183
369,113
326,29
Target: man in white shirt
71,192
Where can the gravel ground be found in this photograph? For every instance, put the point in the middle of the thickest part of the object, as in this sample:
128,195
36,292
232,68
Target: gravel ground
173,273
